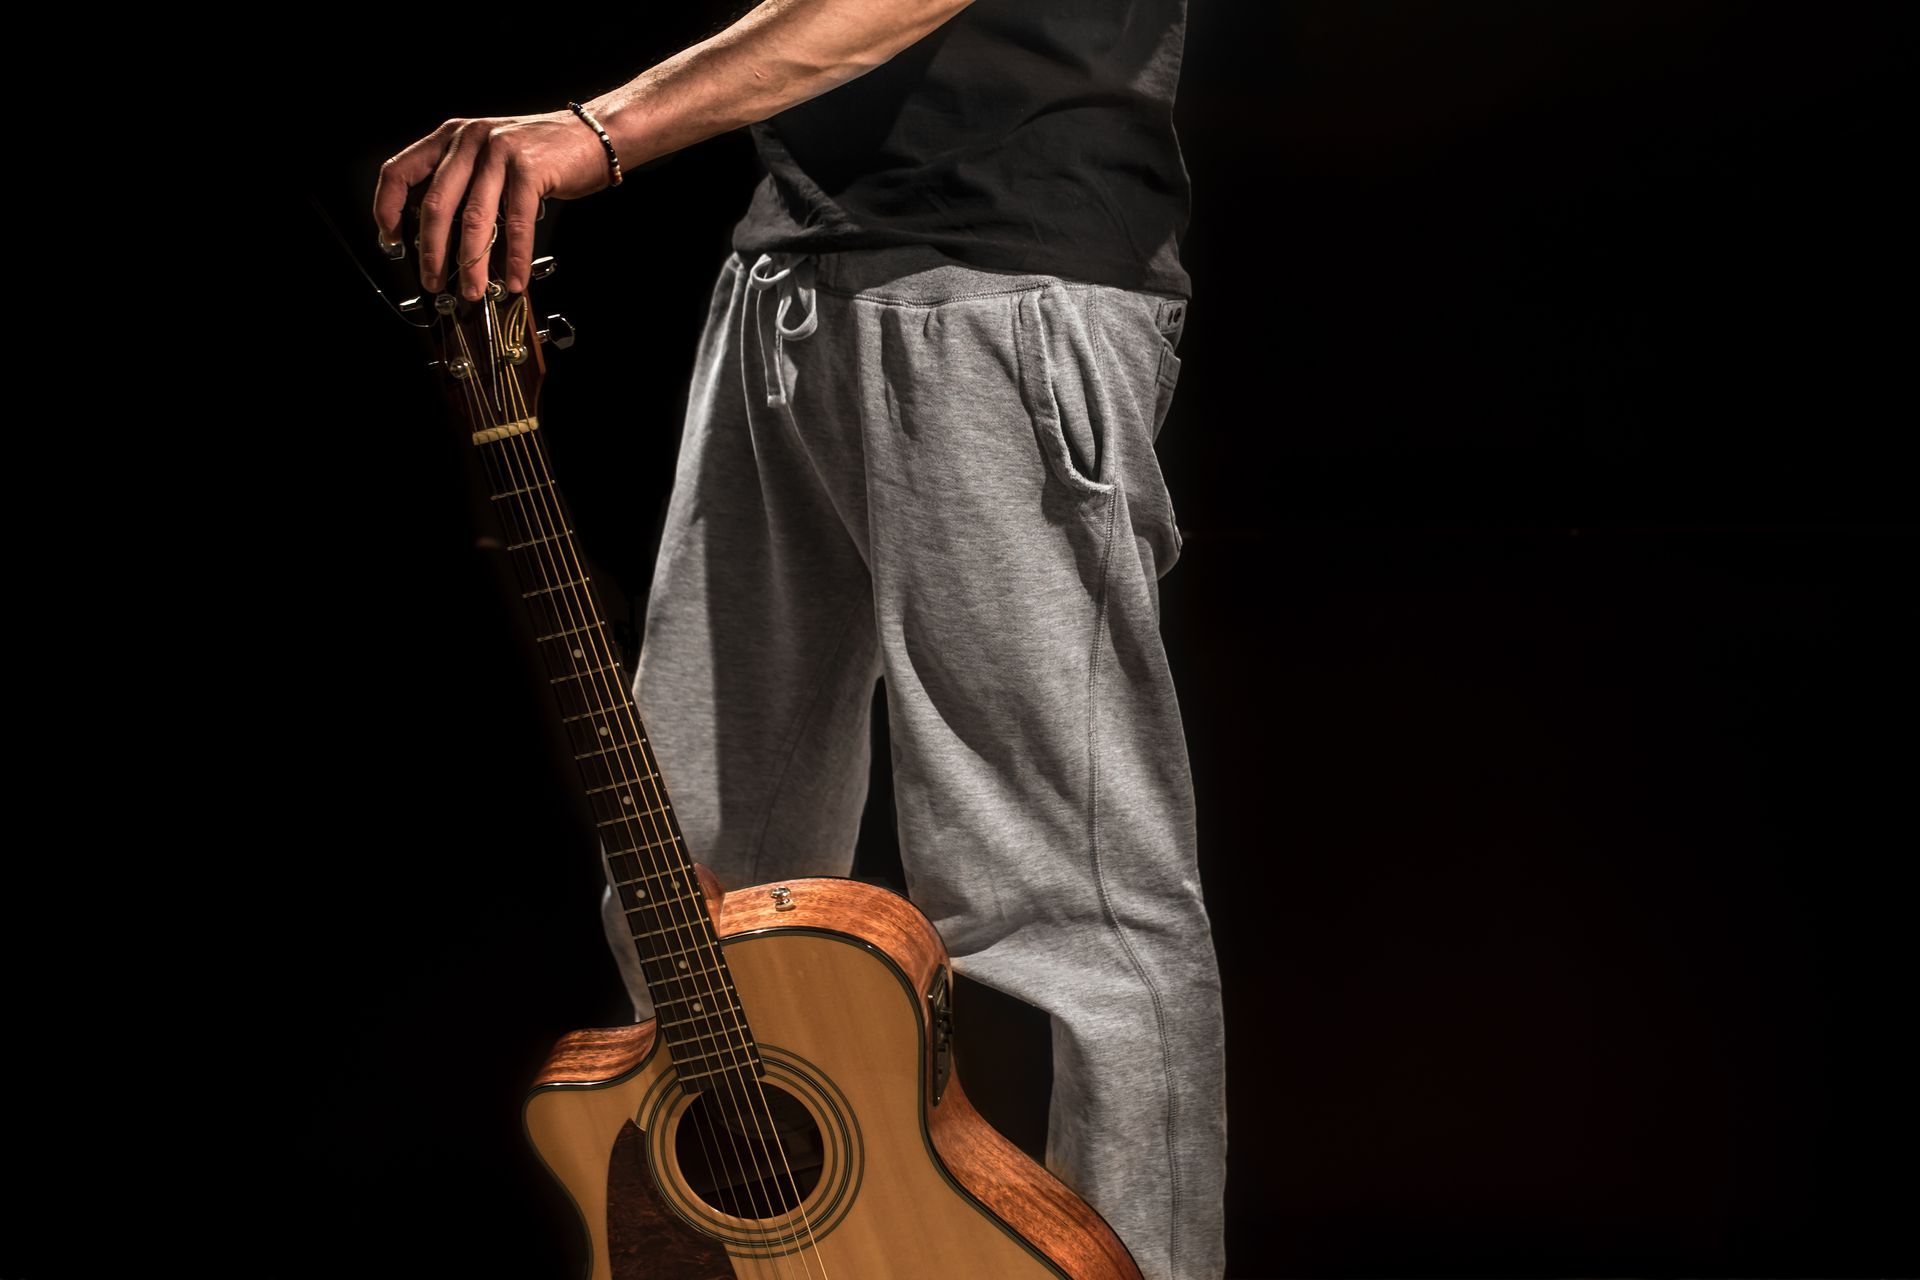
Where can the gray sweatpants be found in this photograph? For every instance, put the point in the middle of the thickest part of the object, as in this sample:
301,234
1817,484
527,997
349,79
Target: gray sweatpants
897,465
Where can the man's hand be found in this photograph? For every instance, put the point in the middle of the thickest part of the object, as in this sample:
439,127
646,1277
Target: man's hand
469,165
781,53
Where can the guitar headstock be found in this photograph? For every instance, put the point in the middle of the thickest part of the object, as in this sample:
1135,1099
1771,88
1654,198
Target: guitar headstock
489,354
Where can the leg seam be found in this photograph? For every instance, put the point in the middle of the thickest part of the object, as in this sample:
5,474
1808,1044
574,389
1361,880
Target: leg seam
1100,882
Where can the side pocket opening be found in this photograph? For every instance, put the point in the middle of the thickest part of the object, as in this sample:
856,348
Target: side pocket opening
1060,391
1166,378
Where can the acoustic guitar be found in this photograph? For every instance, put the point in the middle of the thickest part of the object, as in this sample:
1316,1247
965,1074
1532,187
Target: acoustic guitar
792,1109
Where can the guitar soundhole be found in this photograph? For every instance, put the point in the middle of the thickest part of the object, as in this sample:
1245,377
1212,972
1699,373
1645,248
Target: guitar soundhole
752,1157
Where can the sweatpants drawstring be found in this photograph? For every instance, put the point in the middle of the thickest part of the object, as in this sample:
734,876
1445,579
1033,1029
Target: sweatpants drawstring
790,276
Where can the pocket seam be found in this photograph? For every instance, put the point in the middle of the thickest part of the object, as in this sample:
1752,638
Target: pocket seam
1169,371
1034,372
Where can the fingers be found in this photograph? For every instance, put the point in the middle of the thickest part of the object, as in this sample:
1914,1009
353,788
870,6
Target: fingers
401,174
443,201
478,218
523,209
467,167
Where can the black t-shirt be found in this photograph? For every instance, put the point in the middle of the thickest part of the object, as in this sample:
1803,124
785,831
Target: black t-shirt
1029,135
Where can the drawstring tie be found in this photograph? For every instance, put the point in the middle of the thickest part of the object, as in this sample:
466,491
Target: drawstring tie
790,276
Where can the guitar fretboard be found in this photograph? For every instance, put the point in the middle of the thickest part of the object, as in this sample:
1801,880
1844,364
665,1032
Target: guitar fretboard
699,1015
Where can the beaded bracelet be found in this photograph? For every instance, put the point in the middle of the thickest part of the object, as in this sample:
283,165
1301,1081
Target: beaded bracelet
613,161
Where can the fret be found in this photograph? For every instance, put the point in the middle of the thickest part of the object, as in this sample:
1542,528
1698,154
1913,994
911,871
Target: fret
559,586
514,493
692,922
732,1004
636,898
632,794
726,1011
725,1053
582,675
708,1075
651,875
657,904
720,1008
711,948
562,536
623,780
626,876
618,746
622,705
615,786
635,816
725,999
572,631
644,847
725,1004
676,1041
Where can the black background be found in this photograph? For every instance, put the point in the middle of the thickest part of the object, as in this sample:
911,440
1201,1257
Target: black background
1542,636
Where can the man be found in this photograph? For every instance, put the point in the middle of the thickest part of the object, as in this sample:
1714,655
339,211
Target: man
919,447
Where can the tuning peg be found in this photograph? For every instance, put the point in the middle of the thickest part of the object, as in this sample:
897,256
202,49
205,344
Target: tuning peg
391,252
559,332
544,267
541,212
413,305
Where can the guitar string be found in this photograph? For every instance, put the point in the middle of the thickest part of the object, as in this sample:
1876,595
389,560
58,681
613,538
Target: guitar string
719,1036
657,806
710,1018
562,616
472,396
532,532
534,528
678,903
481,410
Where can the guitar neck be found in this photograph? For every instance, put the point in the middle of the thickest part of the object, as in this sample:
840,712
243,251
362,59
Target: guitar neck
699,1016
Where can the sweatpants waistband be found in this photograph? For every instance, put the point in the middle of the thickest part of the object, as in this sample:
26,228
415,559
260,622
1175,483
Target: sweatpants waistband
923,274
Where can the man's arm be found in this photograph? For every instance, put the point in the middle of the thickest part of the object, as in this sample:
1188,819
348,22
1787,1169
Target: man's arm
780,54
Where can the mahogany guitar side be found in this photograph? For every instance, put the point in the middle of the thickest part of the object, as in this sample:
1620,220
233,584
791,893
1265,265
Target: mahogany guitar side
836,985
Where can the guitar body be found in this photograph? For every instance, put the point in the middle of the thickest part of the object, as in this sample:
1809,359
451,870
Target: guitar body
845,988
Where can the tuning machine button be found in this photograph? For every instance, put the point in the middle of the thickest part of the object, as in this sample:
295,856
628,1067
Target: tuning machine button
544,267
559,332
